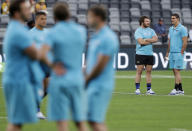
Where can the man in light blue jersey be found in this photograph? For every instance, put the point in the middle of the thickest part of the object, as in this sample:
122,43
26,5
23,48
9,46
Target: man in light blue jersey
176,47
145,37
103,46
67,41
38,35
20,51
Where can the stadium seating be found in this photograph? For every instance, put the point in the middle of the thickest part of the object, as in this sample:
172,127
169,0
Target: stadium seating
124,14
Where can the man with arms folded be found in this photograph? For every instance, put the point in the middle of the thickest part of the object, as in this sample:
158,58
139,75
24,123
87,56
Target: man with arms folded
145,37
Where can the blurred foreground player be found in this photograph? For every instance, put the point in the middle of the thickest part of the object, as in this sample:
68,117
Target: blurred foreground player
103,46
176,47
67,41
19,51
38,35
145,37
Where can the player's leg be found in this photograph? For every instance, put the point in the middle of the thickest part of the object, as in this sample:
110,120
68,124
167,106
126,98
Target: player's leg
45,69
98,126
45,85
13,127
176,63
139,61
98,101
62,126
148,69
178,83
81,126
138,78
78,106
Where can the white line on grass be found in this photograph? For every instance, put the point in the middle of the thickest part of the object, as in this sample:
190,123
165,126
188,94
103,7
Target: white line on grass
3,117
126,93
177,129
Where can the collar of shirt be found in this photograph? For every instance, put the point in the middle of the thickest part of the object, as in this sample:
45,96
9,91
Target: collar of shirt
175,28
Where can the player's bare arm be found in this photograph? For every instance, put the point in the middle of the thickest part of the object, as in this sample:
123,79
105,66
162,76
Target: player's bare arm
32,52
44,50
184,45
143,41
102,62
168,49
152,40
58,68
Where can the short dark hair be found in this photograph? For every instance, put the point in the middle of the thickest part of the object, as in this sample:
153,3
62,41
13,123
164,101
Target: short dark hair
176,15
61,11
15,6
40,13
100,11
142,19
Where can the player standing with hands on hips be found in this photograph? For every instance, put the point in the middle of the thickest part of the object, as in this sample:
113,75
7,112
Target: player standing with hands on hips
176,47
145,37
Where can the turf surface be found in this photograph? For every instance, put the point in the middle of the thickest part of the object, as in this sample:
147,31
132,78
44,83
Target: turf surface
128,112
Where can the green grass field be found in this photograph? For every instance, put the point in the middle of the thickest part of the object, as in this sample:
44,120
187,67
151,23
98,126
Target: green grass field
128,112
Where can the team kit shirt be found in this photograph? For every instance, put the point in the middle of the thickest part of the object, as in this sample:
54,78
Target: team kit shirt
67,41
176,35
19,93
104,42
144,33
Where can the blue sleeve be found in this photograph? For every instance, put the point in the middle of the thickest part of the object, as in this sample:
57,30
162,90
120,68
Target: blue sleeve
169,34
153,33
107,47
138,35
23,40
49,39
184,32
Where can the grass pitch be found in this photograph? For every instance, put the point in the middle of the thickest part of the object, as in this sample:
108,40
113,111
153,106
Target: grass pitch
128,112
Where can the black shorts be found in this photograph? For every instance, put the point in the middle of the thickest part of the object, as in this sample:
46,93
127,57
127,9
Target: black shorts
144,60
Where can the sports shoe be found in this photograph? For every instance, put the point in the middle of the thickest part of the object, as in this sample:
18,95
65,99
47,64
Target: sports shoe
137,92
150,92
173,92
179,92
40,116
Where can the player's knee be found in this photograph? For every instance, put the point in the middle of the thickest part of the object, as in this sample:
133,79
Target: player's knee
148,71
139,71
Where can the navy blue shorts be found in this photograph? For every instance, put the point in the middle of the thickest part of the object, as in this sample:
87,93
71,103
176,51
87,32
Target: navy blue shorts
45,69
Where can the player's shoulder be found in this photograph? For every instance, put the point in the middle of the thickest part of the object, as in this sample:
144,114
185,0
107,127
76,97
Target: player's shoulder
108,33
183,27
150,29
81,28
139,29
108,36
19,31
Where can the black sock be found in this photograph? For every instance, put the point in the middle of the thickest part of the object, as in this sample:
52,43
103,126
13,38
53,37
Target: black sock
176,86
180,87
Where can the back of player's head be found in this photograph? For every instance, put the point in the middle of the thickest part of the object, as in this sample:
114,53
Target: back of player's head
99,11
41,12
15,6
61,11
176,15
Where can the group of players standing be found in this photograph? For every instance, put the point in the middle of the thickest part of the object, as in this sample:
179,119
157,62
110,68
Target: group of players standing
177,44
53,58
